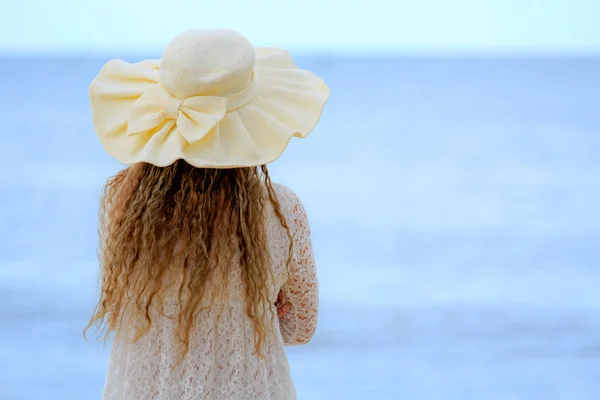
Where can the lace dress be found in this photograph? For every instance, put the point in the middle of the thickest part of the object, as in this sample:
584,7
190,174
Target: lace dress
221,363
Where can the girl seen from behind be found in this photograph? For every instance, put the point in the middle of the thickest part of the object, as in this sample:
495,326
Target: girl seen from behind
206,265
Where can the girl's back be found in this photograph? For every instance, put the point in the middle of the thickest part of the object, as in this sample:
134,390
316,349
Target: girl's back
221,361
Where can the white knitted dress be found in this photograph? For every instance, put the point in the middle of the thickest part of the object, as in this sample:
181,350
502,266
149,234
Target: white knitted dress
221,364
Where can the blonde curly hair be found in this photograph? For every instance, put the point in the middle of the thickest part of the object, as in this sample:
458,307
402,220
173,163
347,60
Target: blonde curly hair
161,223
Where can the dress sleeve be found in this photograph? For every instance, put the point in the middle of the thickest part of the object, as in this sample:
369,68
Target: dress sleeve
301,290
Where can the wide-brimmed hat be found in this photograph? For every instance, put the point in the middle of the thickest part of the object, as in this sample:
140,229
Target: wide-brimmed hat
212,100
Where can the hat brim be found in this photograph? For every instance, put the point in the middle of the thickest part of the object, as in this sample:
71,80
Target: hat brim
288,103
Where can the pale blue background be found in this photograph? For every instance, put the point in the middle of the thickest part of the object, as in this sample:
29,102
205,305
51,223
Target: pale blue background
453,188
310,25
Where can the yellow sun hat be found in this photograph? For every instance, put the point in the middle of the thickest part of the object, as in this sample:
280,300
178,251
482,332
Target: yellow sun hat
212,100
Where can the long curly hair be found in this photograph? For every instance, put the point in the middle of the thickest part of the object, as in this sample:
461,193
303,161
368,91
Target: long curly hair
174,229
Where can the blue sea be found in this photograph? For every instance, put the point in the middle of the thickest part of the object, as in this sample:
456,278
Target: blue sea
455,208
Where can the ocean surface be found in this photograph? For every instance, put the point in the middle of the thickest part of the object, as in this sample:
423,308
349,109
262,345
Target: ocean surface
455,211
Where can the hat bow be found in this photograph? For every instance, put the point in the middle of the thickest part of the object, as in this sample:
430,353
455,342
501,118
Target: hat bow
194,117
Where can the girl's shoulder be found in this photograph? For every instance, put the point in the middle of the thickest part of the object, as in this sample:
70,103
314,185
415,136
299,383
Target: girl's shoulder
290,203
285,194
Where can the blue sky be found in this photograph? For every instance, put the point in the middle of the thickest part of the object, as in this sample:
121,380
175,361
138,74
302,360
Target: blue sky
93,26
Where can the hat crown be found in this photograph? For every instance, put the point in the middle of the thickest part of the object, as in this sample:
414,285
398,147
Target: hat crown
207,63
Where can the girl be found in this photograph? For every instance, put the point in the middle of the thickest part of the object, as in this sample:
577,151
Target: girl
206,265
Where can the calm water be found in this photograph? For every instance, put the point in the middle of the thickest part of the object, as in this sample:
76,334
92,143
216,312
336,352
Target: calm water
454,206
